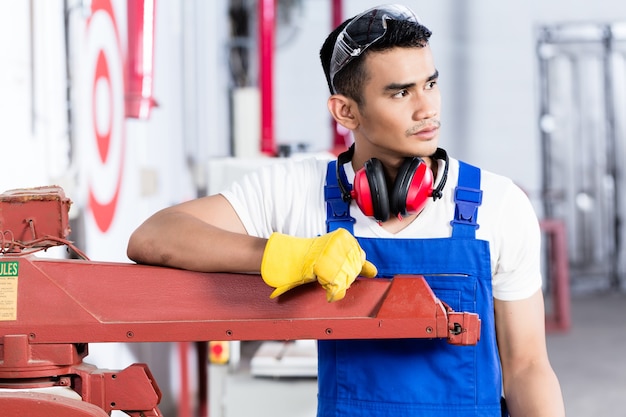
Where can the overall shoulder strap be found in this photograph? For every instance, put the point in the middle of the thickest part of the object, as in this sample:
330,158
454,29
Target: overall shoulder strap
467,197
337,210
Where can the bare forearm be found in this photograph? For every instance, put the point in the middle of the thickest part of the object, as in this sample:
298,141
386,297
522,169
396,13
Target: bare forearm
531,387
181,241
534,392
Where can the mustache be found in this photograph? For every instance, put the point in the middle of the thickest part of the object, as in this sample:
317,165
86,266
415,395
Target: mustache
424,124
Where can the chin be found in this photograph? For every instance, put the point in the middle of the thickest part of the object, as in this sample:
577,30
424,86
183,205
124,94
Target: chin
424,149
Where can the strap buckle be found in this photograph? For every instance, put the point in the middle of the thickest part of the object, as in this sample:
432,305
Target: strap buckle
467,201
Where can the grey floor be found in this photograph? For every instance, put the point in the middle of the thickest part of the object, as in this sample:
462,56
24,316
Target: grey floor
589,359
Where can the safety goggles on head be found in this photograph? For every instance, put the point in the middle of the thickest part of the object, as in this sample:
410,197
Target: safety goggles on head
363,31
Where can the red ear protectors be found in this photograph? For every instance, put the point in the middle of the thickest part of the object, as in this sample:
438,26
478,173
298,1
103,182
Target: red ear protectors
409,193
411,189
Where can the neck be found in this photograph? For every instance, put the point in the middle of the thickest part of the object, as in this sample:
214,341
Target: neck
390,164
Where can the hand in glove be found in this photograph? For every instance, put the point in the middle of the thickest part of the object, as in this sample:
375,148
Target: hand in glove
334,260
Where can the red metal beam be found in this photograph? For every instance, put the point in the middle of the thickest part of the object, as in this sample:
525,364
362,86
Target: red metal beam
62,305
77,301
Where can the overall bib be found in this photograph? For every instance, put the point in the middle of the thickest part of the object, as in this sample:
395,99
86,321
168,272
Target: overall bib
419,377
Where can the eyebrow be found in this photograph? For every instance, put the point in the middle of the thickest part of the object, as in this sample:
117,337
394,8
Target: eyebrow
396,86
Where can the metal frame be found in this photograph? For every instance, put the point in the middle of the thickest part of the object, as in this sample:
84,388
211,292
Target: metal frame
582,102
52,308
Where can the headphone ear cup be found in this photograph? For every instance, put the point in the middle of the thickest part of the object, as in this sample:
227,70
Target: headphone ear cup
412,188
378,189
370,190
401,186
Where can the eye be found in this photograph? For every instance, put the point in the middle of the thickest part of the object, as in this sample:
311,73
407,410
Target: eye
401,93
431,84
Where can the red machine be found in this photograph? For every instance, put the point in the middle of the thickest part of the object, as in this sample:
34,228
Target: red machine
51,309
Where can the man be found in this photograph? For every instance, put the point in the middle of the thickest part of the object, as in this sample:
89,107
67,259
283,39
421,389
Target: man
471,233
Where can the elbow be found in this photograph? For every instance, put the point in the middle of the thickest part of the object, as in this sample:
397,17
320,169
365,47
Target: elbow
133,249
146,248
140,249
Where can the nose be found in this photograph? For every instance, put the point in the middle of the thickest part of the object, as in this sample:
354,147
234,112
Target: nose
426,105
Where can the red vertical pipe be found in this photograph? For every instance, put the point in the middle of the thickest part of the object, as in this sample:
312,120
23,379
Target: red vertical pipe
140,58
202,355
339,140
184,402
267,10
337,13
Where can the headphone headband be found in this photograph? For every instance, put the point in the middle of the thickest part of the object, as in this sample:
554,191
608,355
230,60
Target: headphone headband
342,180
441,153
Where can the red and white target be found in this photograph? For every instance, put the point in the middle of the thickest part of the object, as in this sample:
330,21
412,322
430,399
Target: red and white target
103,124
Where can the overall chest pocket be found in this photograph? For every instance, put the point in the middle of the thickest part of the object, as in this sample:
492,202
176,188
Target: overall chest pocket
458,291
416,371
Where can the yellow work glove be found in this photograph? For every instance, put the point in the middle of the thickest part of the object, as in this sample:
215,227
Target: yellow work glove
334,260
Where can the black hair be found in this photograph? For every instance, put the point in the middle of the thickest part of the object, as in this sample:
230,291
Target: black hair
350,79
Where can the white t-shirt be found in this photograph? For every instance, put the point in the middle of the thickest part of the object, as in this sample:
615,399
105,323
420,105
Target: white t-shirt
288,197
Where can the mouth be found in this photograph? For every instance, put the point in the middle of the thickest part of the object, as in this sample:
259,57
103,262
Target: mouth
426,130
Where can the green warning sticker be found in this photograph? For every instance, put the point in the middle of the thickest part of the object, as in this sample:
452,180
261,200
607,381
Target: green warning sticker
9,269
8,290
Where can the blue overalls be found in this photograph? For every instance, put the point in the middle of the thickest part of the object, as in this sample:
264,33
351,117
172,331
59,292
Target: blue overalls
419,377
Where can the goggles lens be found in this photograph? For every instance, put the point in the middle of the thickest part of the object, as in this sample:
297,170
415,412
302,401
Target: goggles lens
363,31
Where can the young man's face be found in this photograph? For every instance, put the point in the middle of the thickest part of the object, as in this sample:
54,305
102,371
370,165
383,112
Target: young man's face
401,104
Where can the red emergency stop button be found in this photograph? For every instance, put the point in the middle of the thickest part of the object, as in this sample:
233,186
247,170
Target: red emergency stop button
219,352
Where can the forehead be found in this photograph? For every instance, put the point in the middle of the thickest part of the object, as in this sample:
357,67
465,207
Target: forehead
399,66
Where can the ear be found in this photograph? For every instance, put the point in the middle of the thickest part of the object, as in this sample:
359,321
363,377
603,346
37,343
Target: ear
341,108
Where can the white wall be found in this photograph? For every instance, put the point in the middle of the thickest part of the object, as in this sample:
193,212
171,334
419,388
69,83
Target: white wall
32,88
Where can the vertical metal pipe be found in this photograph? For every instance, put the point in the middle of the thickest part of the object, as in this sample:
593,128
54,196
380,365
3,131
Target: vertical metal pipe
339,140
267,9
611,153
337,13
184,407
202,354
139,99
545,134
31,22
68,78
460,104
